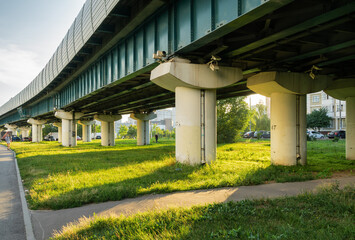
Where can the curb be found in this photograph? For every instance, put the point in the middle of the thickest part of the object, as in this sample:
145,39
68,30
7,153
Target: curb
25,211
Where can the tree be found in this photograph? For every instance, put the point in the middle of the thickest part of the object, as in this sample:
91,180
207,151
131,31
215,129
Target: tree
167,133
261,120
48,128
132,131
123,131
232,117
318,119
96,128
157,130
79,130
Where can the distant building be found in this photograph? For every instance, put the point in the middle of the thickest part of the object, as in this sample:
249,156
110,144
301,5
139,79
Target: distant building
335,107
165,120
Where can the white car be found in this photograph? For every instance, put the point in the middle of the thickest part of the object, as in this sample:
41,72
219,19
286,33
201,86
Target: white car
315,134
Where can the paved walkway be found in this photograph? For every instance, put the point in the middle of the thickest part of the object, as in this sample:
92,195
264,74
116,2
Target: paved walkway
45,222
11,217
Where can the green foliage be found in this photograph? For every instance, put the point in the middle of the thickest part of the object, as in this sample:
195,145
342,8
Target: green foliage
49,128
132,131
318,119
157,130
261,120
95,128
79,131
326,215
59,177
232,117
123,131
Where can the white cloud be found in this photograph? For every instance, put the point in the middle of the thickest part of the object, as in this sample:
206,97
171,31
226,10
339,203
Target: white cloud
18,67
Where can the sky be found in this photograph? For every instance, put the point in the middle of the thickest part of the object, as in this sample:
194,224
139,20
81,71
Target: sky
30,32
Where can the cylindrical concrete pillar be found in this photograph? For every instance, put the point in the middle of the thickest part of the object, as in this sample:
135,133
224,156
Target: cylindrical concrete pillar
107,128
143,137
59,126
60,132
302,116
68,133
69,128
195,125
86,137
350,128
283,129
143,131
37,135
107,133
86,133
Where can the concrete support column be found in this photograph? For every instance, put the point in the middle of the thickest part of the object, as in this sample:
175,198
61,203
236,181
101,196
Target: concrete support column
12,128
143,131
59,126
107,128
344,89
196,131
288,112
25,132
288,129
350,128
37,134
69,128
195,100
86,130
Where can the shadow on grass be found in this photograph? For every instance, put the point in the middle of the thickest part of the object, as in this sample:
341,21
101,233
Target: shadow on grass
89,161
128,188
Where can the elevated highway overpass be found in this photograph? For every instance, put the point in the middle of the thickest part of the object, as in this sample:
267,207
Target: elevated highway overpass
278,48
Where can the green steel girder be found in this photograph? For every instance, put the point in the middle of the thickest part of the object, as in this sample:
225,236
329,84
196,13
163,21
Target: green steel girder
311,23
338,60
179,27
319,51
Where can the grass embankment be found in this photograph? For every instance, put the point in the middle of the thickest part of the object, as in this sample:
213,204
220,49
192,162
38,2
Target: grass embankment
327,215
59,177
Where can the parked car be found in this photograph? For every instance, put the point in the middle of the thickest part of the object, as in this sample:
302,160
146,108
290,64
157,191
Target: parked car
78,138
315,134
49,138
337,133
98,137
16,139
249,134
27,139
262,133
266,134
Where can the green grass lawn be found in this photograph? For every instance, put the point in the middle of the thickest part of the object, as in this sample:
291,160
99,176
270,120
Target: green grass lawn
59,177
328,215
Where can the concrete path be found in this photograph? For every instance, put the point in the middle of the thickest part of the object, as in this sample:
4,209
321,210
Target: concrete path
12,225
45,222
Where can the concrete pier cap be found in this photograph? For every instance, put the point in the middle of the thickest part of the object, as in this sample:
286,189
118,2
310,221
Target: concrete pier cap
195,101
11,127
266,83
287,91
107,128
37,134
182,74
143,131
344,89
61,114
68,135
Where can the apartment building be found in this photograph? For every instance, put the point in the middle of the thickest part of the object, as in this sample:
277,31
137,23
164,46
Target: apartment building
335,107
